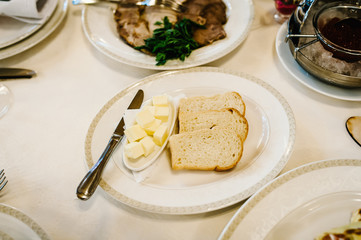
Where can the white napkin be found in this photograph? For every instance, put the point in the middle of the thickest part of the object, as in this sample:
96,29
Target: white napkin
30,11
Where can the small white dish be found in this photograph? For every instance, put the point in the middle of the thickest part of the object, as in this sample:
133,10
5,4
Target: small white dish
143,162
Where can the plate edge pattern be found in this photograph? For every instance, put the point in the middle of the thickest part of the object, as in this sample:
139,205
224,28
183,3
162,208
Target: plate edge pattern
25,219
284,178
207,207
62,13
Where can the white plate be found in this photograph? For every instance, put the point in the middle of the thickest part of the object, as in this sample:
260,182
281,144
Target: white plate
32,36
266,150
16,225
316,197
290,64
13,31
100,29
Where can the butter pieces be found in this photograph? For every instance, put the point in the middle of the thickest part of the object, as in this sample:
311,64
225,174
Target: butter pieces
161,100
133,150
150,128
153,127
161,134
144,118
135,133
161,113
148,145
161,107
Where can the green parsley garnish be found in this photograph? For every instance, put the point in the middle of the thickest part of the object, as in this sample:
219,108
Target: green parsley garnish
171,42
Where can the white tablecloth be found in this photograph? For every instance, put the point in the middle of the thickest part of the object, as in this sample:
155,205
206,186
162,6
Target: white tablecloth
42,136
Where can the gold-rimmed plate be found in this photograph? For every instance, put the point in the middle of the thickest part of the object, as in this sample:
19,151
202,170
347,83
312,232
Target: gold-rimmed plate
100,29
316,197
267,148
15,224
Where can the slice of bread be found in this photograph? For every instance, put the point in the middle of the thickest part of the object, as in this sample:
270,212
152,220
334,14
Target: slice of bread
216,102
226,118
206,149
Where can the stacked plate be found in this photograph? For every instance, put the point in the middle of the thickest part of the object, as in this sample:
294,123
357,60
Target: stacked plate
18,36
15,224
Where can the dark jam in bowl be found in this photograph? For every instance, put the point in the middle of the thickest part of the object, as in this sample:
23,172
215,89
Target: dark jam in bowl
345,33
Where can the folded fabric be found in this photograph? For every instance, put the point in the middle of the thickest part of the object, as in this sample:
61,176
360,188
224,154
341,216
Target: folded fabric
30,11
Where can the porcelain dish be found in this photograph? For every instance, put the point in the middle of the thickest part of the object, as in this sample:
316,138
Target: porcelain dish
100,29
35,36
310,196
268,146
14,224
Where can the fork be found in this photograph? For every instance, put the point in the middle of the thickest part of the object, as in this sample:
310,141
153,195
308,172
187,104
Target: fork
172,4
3,180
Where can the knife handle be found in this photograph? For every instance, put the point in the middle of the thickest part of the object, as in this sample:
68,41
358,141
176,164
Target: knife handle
91,180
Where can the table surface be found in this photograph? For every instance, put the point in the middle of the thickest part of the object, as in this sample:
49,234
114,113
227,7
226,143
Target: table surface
42,136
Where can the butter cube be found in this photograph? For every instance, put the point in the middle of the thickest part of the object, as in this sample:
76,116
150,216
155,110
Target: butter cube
150,109
135,133
144,118
160,100
161,134
148,145
153,127
133,150
162,113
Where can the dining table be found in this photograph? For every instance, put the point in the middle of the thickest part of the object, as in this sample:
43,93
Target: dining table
43,134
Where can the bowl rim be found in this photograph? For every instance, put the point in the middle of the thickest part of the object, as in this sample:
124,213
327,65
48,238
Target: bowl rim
329,43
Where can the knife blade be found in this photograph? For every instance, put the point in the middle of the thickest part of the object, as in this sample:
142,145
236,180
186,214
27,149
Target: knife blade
91,180
12,73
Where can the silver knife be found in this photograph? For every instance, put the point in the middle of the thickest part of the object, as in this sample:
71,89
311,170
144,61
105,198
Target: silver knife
11,73
91,180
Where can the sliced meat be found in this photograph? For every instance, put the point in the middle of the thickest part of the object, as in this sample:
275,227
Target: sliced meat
211,14
211,33
215,13
129,15
135,24
156,14
130,26
135,34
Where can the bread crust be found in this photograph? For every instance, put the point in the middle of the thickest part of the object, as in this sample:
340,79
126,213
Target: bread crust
181,150
216,102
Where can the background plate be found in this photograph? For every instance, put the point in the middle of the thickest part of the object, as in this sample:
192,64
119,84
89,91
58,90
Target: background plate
13,30
36,37
16,225
266,150
322,194
100,29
